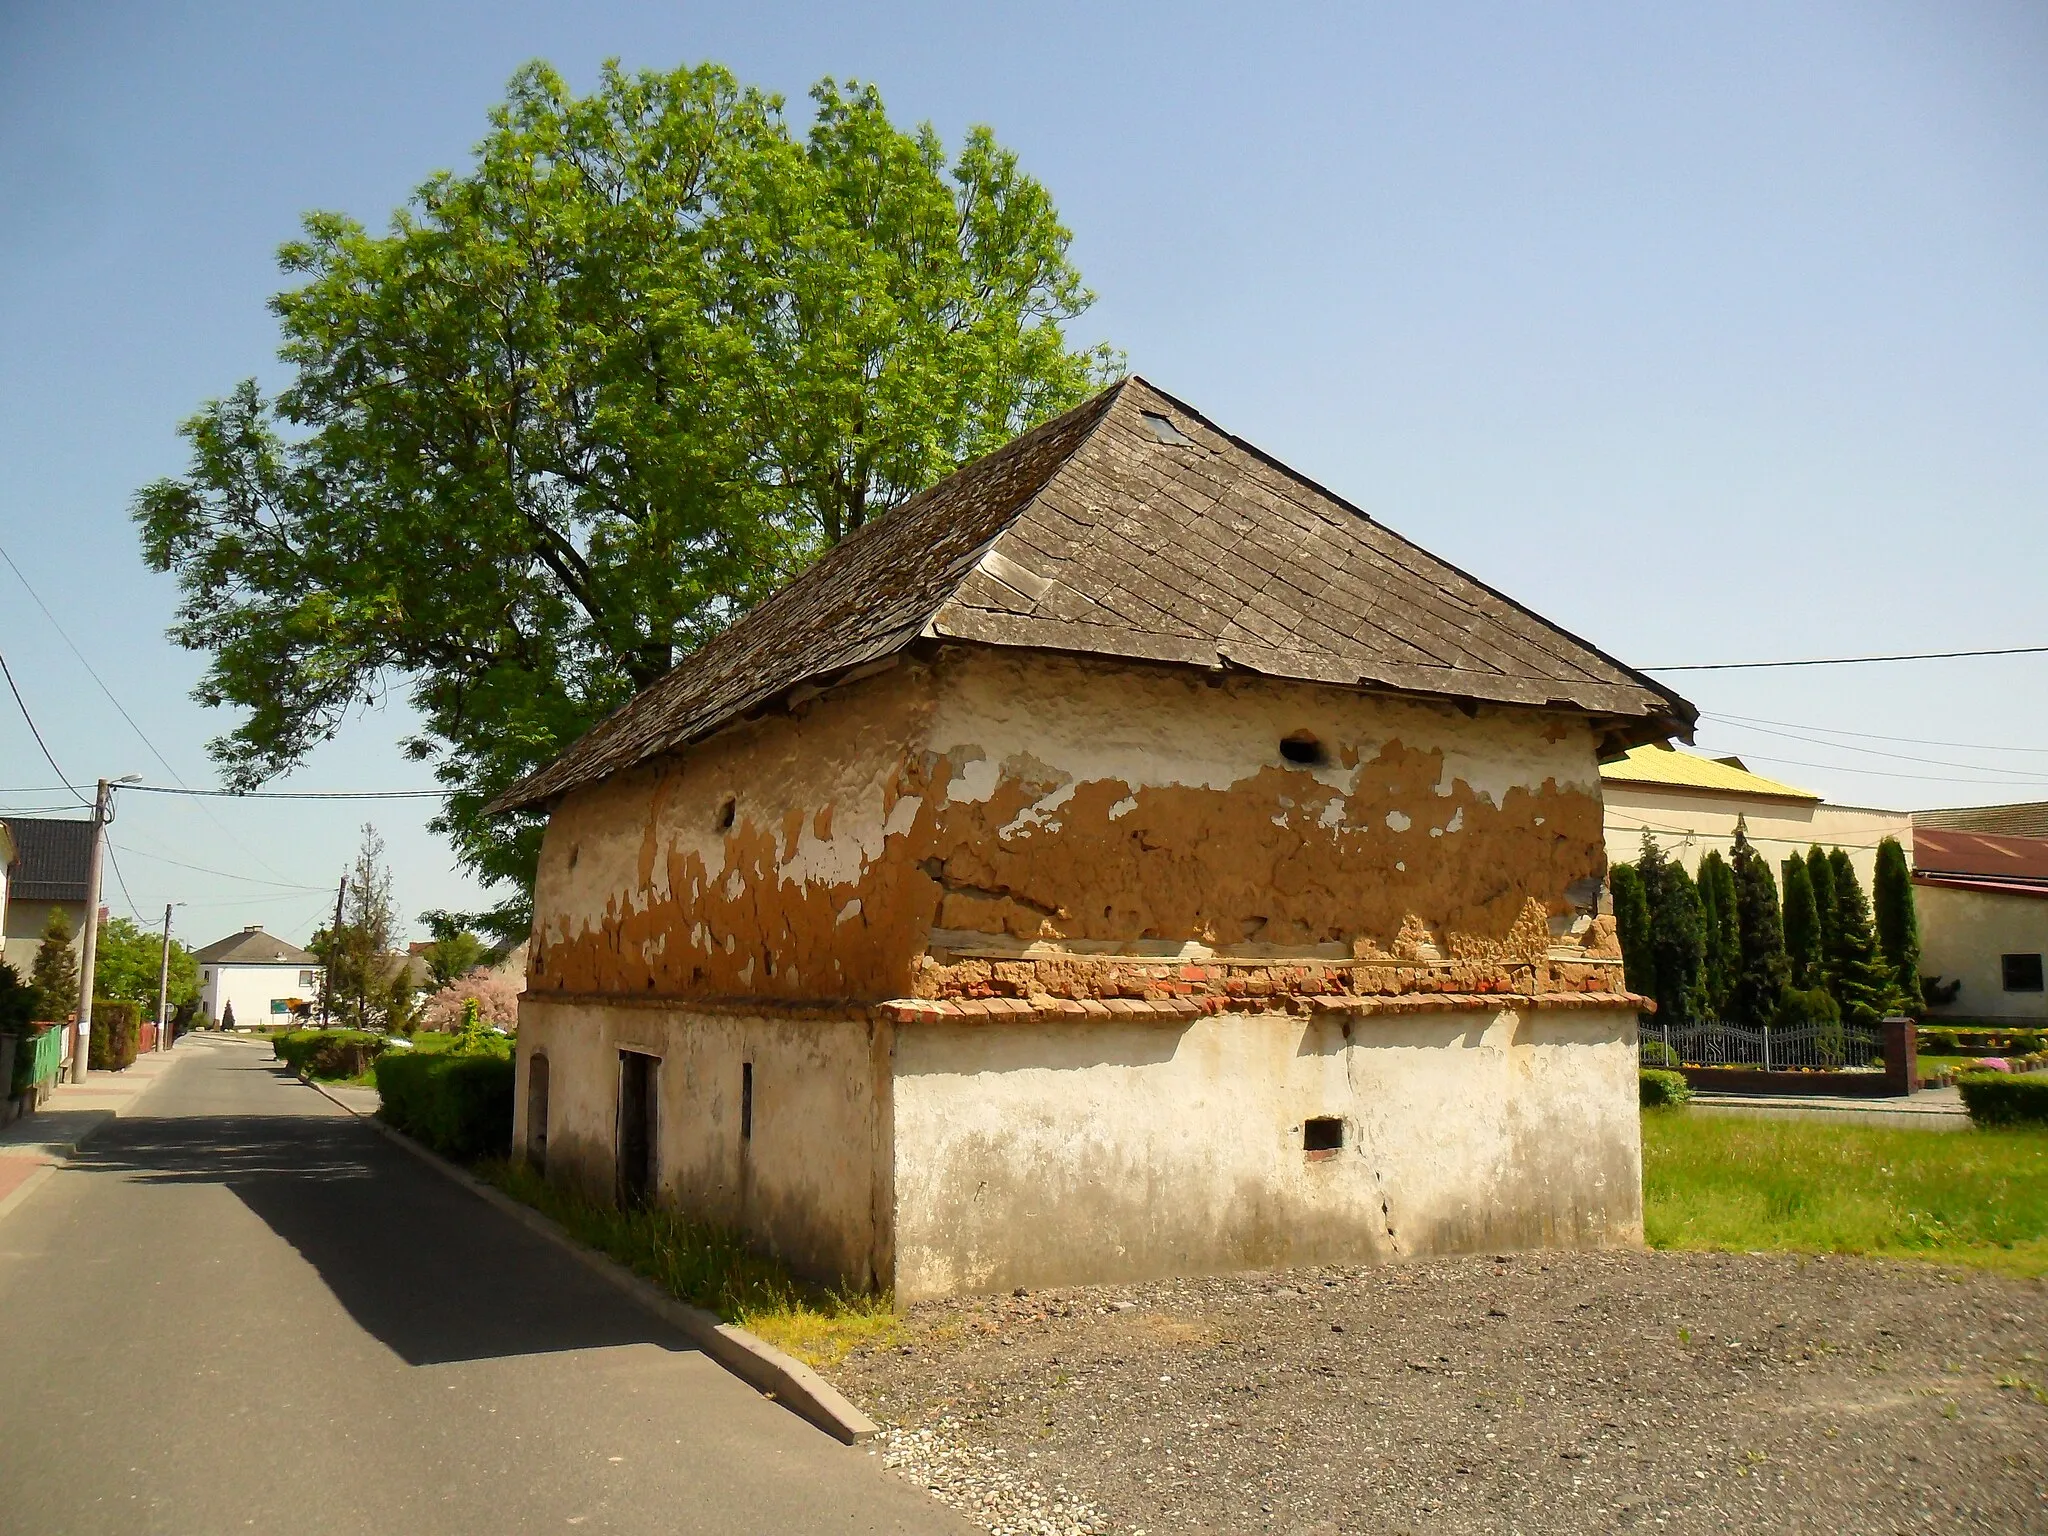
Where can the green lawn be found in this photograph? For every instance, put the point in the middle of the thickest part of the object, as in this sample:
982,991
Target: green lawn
710,1267
1971,1197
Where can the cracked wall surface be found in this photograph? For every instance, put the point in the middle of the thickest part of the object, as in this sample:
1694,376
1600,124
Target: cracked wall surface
989,801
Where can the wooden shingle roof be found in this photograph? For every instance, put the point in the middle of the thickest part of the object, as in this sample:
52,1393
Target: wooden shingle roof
1131,527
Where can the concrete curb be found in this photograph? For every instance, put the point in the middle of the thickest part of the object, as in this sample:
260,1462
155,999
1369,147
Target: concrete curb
25,1188
759,1364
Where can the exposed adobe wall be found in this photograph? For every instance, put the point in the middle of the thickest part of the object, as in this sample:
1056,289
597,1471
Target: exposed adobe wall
775,860
1032,1152
809,1184
993,799
1086,801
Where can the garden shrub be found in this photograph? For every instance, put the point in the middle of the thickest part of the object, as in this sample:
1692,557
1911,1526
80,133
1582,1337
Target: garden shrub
460,1104
329,1053
1941,1042
1656,1053
116,1030
1995,1098
1663,1088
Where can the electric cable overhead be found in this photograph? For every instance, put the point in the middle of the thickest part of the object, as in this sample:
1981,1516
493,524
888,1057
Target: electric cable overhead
1845,661
290,794
1794,725
122,880
22,704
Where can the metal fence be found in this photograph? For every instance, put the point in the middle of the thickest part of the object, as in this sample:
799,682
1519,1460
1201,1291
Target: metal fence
1807,1047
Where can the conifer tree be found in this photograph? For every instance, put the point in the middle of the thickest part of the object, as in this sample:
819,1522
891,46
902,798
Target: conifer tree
1862,980
1802,925
1632,928
54,974
1678,944
1723,960
1898,923
1765,971
1822,877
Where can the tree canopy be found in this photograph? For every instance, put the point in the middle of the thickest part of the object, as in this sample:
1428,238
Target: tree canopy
127,964
586,402
53,975
1760,933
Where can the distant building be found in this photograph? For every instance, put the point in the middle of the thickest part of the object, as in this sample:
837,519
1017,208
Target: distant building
49,870
1982,895
1691,803
260,974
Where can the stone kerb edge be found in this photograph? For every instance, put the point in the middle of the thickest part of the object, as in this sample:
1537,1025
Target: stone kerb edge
755,1361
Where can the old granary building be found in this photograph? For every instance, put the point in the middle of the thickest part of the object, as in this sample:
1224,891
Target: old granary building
1125,858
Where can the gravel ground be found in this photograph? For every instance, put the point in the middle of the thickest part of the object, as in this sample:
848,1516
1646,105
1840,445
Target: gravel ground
1520,1393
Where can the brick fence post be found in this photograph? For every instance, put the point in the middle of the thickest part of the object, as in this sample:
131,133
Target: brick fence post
1901,1056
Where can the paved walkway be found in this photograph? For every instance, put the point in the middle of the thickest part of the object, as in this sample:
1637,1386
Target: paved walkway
1931,1109
237,1309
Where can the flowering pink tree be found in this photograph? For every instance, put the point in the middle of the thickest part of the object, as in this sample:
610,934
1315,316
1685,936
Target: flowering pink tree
497,1001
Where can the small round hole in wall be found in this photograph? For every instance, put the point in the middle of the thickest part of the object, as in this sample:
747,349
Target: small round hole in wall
1304,749
726,812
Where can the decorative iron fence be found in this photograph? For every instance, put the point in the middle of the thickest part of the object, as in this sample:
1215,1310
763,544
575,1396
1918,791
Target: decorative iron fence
1804,1048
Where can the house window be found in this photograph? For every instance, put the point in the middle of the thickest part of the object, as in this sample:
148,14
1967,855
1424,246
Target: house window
305,978
2022,972
206,975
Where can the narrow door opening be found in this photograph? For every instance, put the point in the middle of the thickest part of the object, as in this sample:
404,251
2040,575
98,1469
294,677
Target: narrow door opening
537,1111
636,1126
747,1101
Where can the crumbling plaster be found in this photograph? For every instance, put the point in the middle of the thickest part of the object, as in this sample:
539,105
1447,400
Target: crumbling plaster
991,798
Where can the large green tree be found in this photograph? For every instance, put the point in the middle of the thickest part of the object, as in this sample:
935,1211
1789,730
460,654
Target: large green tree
1632,928
53,975
587,401
1765,971
1898,922
1859,978
1676,944
127,964
357,955
1820,874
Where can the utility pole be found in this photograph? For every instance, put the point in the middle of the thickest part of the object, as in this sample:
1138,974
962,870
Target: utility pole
327,962
163,987
102,813
89,955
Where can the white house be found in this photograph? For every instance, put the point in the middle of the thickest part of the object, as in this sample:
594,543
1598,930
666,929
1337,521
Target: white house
258,974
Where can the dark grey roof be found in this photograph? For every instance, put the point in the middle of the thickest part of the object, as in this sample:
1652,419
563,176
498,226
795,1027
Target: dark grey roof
252,946
2029,819
1131,527
53,859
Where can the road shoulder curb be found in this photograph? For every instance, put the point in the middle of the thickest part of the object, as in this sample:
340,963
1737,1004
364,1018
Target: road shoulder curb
755,1361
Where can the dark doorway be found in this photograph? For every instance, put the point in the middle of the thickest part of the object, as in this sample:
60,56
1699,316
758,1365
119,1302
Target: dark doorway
636,1126
537,1112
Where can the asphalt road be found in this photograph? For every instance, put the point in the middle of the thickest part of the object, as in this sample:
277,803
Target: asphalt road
238,1309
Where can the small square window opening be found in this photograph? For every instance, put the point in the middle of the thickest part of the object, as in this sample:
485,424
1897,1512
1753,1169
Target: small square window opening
2022,972
1322,1135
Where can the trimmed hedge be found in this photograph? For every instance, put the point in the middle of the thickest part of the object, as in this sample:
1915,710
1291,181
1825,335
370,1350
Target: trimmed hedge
1994,1098
329,1053
116,1031
458,1104
1661,1088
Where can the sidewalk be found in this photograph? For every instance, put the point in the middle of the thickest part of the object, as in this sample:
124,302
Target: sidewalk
73,1113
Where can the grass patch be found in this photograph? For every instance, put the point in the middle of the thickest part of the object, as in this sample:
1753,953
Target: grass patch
710,1267
1977,1197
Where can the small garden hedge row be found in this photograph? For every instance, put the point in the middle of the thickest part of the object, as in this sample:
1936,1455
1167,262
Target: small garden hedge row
329,1053
1659,1087
116,1032
1993,1098
459,1104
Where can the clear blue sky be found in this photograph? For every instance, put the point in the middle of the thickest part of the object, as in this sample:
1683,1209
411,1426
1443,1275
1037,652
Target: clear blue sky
1712,333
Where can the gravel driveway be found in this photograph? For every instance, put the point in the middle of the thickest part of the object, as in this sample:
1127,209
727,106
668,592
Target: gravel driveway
1526,1393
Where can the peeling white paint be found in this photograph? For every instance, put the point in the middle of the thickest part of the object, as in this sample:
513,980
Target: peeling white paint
1333,814
1123,808
849,912
1397,821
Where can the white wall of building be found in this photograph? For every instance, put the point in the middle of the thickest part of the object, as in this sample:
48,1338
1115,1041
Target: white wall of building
253,989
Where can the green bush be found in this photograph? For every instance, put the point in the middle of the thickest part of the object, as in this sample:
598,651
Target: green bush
2026,1043
116,1030
329,1053
1661,1088
1940,1042
1997,1098
1657,1054
458,1104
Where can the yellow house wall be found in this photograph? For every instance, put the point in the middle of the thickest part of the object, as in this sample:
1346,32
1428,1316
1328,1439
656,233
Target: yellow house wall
1687,823
1963,934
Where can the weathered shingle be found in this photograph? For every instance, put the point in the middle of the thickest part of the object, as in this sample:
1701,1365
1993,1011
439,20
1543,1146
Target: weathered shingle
1098,533
54,859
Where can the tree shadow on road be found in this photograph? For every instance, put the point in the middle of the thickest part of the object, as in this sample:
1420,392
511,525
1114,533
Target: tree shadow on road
420,1263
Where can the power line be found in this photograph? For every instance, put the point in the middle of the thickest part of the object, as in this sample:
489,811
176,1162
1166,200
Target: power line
1889,773
1845,661
1828,730
122,880
282,885
282,794
1845,746
14,689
